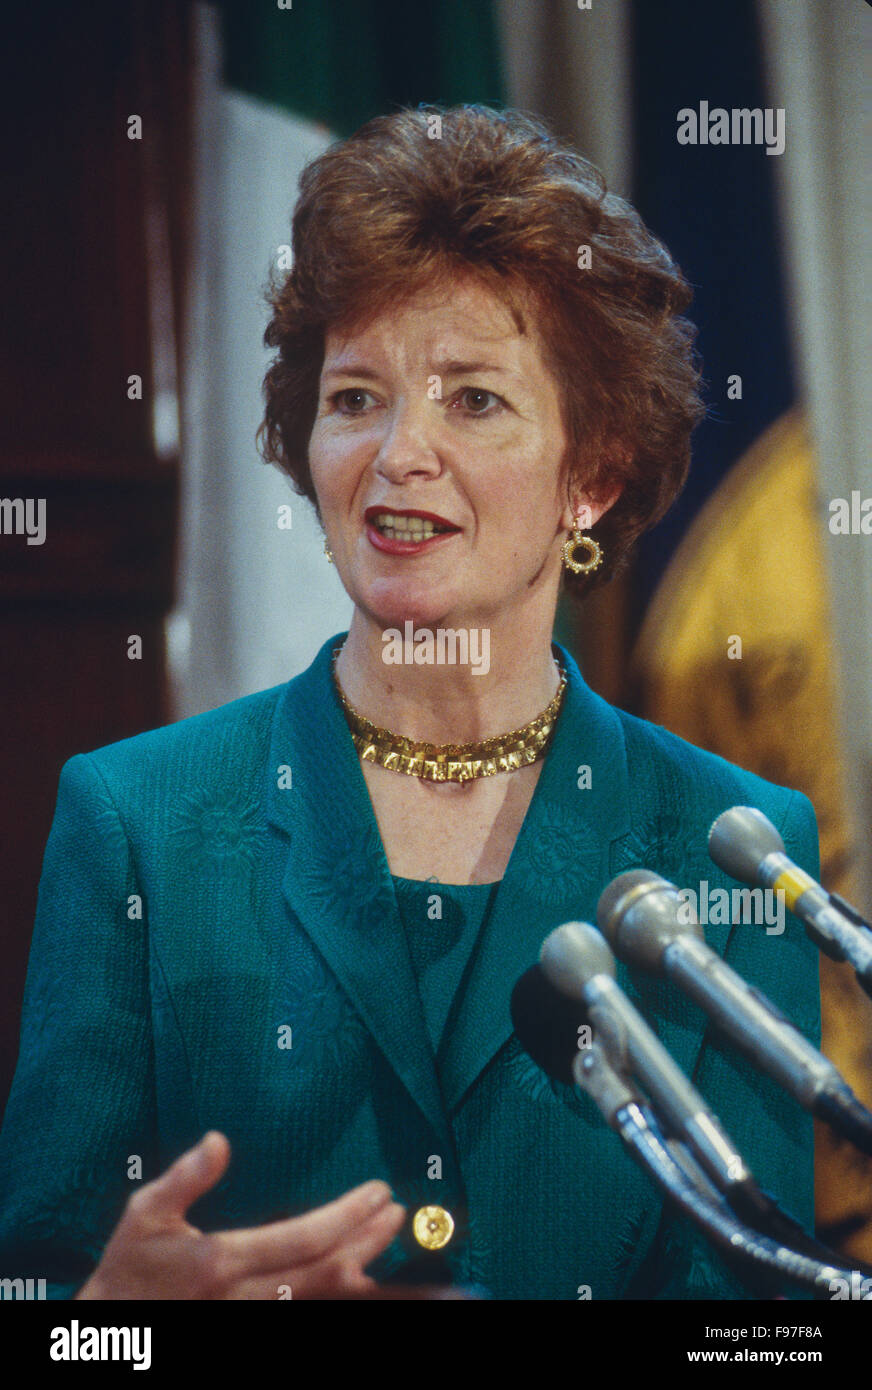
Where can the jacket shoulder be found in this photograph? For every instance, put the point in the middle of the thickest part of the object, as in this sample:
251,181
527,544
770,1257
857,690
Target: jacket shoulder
678,782
226,743
655,753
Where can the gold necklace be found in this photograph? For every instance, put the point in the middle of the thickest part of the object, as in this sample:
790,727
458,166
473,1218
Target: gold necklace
452,762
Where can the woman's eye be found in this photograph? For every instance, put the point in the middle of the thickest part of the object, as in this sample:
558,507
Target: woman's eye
350,401
478,401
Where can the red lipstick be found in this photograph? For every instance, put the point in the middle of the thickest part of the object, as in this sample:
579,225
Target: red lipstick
391,545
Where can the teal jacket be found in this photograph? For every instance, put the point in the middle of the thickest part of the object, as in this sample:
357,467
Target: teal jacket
210,885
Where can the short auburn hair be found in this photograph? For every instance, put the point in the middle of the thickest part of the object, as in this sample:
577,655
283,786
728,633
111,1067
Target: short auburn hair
428,193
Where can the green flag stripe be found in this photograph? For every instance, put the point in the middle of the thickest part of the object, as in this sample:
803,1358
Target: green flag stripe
342,61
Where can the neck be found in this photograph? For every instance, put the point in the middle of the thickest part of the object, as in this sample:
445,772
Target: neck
508,678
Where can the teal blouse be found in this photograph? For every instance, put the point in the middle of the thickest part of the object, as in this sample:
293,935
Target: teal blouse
219,945
442,923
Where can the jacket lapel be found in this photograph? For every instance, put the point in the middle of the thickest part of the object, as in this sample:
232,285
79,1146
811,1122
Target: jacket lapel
337,882
558,868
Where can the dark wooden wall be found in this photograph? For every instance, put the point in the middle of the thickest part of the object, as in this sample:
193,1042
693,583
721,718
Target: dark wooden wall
93,240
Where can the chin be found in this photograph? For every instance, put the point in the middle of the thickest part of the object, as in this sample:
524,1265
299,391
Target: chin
392,603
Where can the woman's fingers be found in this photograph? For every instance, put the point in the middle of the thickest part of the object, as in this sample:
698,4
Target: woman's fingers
329,1279
195,1172
301,1240
339,1274
155,1253
363,1243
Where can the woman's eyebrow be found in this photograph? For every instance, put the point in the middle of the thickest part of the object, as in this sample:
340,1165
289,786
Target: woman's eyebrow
449,367
351,369
454,367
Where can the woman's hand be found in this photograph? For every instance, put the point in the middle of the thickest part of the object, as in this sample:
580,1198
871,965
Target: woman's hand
154,1252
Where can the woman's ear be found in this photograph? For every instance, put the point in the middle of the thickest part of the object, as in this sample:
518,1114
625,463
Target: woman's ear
586,508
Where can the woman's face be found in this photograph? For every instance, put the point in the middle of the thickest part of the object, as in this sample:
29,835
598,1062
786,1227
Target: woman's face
435,456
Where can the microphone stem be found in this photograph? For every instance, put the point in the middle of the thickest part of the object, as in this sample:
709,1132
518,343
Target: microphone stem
845,1114
849,911
642,1138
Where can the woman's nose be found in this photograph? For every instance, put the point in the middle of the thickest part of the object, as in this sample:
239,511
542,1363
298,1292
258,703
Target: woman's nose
409,445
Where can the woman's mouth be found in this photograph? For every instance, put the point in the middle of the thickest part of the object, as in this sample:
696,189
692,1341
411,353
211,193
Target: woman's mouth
405,532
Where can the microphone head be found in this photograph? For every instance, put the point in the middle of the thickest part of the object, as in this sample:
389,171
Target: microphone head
641,914
618,896
572,955
547,1024
741,839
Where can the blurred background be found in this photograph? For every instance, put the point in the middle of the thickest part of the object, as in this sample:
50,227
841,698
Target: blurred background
153,152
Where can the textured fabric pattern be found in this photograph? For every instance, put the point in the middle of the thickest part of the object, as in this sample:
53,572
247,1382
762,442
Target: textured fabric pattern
442,922
248,838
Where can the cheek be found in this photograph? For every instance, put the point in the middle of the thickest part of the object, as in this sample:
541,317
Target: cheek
523,491
332,465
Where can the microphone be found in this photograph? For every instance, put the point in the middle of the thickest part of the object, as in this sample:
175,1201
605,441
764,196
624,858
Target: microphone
577,961
747,846
638,913
547,1025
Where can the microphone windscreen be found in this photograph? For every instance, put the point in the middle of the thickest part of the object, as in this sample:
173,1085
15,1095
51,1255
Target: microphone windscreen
607,913
740,840
572,955
546,1023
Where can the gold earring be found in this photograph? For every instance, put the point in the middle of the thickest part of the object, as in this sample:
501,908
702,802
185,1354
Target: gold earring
328,552
594,552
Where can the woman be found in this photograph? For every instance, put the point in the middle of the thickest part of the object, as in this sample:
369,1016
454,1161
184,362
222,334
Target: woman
285,921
